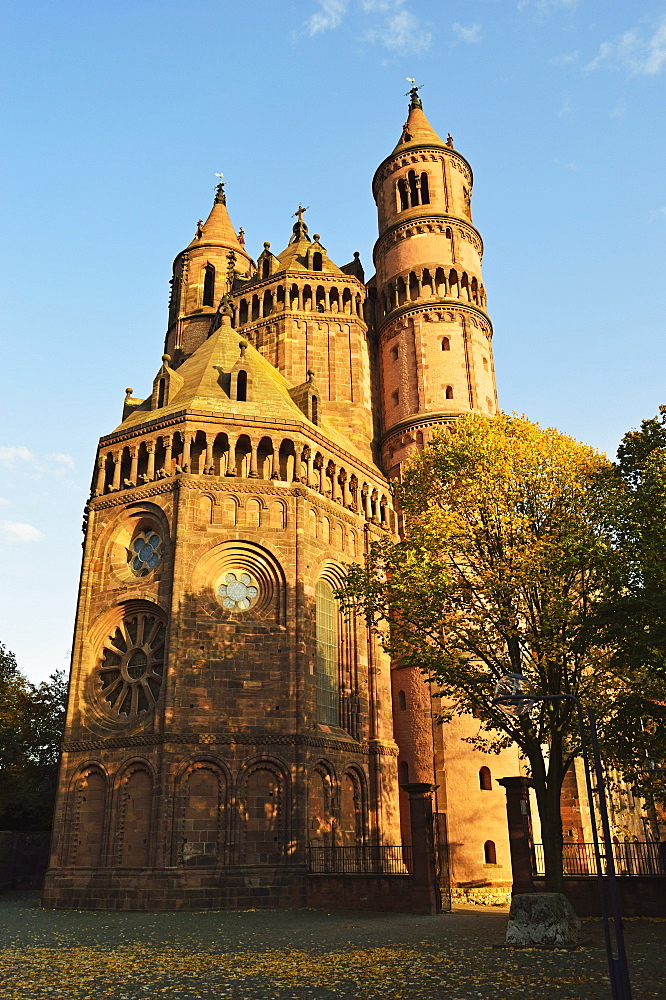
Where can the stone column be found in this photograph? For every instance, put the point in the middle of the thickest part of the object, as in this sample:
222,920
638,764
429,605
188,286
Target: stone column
425,893
209,452
134,463
101,474
116,470
231,455
252,474
150,448
520,832
187,451
168,453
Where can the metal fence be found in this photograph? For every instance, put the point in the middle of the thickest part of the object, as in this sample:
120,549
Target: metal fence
631,858
362,859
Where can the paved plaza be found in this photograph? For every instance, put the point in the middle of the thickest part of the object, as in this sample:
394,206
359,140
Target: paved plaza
302,955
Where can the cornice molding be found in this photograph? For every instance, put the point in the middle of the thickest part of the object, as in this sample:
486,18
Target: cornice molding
435,305
394,162
441,221
227,739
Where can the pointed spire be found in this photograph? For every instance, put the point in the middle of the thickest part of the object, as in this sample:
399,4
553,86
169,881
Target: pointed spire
417,130
218,227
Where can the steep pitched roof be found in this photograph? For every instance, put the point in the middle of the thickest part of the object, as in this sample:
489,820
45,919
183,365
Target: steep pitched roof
204,386
417,131
218,228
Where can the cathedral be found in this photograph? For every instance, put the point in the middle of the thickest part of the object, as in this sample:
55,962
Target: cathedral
231,738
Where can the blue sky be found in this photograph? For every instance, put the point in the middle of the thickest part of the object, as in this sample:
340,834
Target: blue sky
115,119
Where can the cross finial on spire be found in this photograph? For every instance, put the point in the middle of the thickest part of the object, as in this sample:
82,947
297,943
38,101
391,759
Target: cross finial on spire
299,211
413,92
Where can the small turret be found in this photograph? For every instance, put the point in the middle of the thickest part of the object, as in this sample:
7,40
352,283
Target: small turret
203,274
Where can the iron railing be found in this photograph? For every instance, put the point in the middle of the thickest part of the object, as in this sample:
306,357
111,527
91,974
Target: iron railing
631,858
361,859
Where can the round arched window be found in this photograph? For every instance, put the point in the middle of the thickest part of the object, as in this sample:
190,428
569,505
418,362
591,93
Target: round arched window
130,670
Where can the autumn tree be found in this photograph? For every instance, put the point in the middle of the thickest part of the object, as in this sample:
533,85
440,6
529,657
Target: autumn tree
506,567
31,723
636,736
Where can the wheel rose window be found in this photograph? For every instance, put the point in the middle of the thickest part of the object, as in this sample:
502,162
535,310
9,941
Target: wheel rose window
238,592
131,667
145,552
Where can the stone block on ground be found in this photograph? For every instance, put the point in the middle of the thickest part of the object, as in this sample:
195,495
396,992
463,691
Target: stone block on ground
542,920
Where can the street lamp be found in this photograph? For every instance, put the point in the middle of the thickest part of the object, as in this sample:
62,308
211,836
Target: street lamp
513,698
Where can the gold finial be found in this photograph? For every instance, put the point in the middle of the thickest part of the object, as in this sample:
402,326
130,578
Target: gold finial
300,210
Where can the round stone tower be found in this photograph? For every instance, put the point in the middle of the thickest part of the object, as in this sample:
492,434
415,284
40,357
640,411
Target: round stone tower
202,274
434,335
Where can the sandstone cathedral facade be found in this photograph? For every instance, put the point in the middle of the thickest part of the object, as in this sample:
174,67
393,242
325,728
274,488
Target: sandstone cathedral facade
225,721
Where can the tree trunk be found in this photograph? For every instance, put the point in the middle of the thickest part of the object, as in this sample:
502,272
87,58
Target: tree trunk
547,789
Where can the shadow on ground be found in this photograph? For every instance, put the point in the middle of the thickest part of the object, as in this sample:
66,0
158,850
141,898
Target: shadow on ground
301,955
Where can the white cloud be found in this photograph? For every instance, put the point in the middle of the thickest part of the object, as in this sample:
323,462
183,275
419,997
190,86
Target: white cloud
15,531
402,33
63,459
3,501
643,54
327,17
395,27
470,35
9,454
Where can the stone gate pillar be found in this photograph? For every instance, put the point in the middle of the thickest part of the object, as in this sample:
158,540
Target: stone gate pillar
426,896
520,832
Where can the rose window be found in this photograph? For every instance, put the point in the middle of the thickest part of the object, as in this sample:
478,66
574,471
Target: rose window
145,552
132,665
238,592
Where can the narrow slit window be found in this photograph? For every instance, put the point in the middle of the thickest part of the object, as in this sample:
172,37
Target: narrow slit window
209,285
402,193
446,344
317,261
241,386
485,779
449,392
489,852
425,190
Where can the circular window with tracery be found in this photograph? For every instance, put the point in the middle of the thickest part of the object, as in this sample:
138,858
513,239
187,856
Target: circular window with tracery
237,592
130,671
145,552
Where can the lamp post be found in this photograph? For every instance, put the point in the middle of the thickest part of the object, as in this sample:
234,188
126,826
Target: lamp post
513,699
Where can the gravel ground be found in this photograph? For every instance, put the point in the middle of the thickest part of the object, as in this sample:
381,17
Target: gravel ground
302,955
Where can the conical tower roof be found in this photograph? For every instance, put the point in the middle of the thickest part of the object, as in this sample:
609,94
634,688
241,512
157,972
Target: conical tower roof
218,228
417,130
